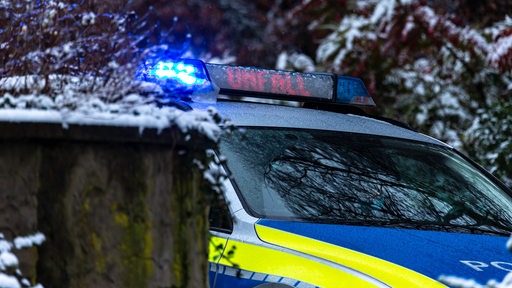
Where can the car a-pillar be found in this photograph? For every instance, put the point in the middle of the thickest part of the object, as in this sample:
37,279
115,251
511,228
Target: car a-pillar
118,207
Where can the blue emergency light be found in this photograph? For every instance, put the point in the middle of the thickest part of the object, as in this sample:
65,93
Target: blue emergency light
351,90
181,80
186,71
194,75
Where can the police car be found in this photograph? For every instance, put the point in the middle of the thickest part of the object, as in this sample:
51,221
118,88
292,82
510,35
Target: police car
339,198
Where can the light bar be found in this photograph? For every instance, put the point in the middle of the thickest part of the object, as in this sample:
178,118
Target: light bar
287,85
188,77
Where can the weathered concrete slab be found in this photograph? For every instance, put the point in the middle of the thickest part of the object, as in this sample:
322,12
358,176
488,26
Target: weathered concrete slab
119,208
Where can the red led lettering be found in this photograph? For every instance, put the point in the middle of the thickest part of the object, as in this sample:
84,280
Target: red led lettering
249,80
300,87
234,79
261,80
288,86
277,84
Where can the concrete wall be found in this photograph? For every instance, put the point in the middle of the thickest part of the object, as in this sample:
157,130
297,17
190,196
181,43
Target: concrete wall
118,209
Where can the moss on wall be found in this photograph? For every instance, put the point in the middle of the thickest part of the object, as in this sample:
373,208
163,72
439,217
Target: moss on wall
115,213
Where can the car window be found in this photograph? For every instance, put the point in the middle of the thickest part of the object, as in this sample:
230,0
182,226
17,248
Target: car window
336,177
219,217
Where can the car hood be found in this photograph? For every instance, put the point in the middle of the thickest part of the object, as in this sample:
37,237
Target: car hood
431,253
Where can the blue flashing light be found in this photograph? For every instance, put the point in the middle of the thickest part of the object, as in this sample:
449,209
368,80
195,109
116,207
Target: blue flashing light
180,79
351,90
185,71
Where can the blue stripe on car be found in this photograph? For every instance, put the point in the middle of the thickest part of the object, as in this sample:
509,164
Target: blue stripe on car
432,253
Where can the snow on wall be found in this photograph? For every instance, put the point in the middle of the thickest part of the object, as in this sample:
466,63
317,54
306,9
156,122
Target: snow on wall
74,108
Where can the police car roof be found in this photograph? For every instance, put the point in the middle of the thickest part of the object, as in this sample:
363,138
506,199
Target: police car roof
244,114
194,77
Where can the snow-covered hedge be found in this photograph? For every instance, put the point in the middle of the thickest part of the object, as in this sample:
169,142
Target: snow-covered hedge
90,41
425,65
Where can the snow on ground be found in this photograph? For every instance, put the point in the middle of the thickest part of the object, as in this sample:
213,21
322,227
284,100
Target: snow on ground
7,281
9,261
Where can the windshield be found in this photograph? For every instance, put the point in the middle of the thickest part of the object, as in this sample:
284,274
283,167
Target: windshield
336,177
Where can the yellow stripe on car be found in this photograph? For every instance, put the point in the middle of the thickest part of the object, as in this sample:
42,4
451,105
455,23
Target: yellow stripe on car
387,272
264,260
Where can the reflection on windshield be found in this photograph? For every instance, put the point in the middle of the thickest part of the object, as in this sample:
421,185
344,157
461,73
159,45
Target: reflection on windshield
336,177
